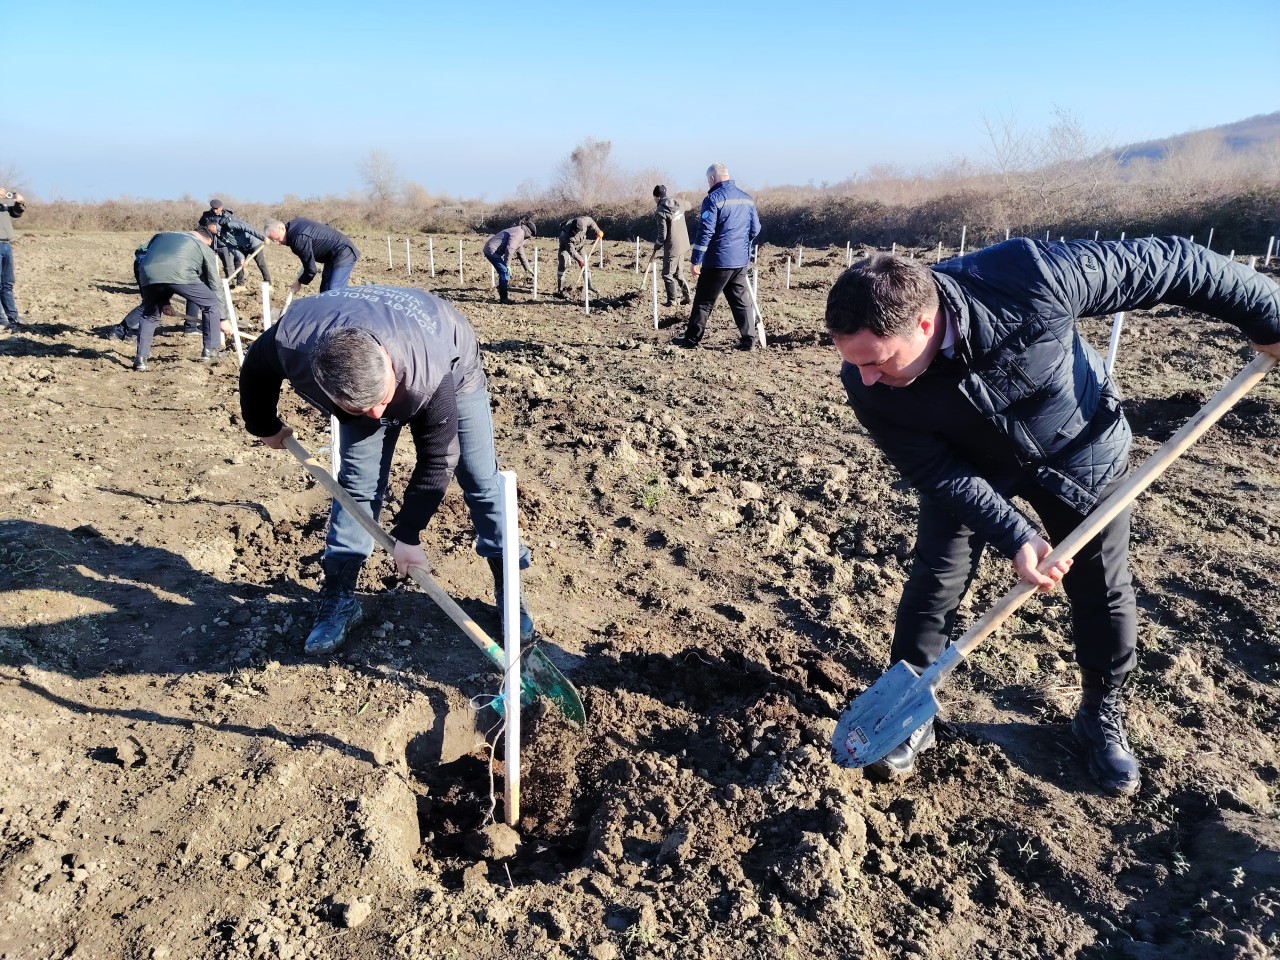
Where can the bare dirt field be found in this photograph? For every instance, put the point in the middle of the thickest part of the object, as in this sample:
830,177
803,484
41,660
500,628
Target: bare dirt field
718,554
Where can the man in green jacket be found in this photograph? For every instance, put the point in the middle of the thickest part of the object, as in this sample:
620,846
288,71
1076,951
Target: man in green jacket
182,264
11,206
573,234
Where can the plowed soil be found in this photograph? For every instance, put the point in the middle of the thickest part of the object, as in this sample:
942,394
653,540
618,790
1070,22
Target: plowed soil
718,553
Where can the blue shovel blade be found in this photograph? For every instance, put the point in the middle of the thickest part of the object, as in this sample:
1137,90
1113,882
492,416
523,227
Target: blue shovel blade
883,717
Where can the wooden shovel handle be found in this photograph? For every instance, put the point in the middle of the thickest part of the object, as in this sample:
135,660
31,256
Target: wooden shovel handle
1109,509
388,543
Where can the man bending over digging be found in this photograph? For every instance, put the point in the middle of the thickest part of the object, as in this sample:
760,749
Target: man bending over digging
973,379
379,359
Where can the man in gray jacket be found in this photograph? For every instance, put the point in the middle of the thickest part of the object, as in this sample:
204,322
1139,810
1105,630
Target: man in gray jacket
11,207
574,233
182,264
673,238
505,244
381,359
974,381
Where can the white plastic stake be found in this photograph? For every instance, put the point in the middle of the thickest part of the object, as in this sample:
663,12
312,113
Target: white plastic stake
493,277
266,305
601,242
788,272
535,273
963,233
1116,323
1191,239
431,255
1231,255
231,317
893,249
1062,239
586,287
1095,236
755,279
511,640
335,452
1122,236
848,253
1253,263
1006,233
799,255
761,338
637,255
1271,245
1046,236
408,260
1208,244
459,259
655,295
939,251
389,263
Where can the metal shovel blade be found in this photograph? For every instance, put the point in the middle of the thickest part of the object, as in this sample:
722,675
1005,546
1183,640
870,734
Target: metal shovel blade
883,717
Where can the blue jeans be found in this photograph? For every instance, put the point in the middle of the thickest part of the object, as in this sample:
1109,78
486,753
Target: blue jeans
366,447
8,306
500,265
338,270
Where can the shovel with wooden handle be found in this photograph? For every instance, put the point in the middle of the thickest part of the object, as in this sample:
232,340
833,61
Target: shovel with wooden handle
538,675
901,700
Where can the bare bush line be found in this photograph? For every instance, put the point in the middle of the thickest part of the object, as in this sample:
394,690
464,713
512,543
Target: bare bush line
1243,218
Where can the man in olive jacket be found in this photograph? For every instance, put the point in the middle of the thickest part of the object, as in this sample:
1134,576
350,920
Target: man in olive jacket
974,381
673,239
181,264
574,233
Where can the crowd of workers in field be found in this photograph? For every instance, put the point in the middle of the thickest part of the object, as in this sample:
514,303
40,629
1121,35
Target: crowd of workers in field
971,376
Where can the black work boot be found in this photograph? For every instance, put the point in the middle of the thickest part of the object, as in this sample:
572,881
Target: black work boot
339,611
526,619
1099,728
901,760
502,293
670,287
685,299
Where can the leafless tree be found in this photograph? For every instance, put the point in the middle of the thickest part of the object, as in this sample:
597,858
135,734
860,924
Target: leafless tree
379,176
588,175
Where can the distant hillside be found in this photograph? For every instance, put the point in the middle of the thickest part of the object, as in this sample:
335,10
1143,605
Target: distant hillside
1243,136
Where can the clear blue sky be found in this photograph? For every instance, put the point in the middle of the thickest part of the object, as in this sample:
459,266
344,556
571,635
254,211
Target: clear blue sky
251,101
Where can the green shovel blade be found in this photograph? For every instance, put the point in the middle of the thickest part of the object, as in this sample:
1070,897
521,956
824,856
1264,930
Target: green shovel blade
539,677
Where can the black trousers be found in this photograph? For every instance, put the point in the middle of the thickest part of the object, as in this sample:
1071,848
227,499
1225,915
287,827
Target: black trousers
712,281
155,296
1104,616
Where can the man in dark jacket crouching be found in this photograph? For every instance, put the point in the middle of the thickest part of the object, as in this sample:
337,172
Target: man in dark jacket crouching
974,381
380,359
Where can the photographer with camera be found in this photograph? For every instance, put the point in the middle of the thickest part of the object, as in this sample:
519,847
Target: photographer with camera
11,207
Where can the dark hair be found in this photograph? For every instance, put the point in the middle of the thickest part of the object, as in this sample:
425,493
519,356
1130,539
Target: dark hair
207,218
660,191
883,294
348,365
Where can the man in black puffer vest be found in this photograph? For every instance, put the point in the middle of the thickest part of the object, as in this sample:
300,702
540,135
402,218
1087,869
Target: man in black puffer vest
974,381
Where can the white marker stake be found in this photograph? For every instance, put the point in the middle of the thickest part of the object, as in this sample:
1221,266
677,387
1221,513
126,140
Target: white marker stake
1271,245
1062,239
799,256
1253,263
1122,236
535,273
493,278
760,334
231,317
511,640
964,231
431,255
601,241
1231,255
1116,323
637,255
1006,233
586,287
266,305
335,452
389,264
848,253
459,261
788,273
655,295
1095,236
893,249
408,261
939,251
1046,236
1208,244
755,279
